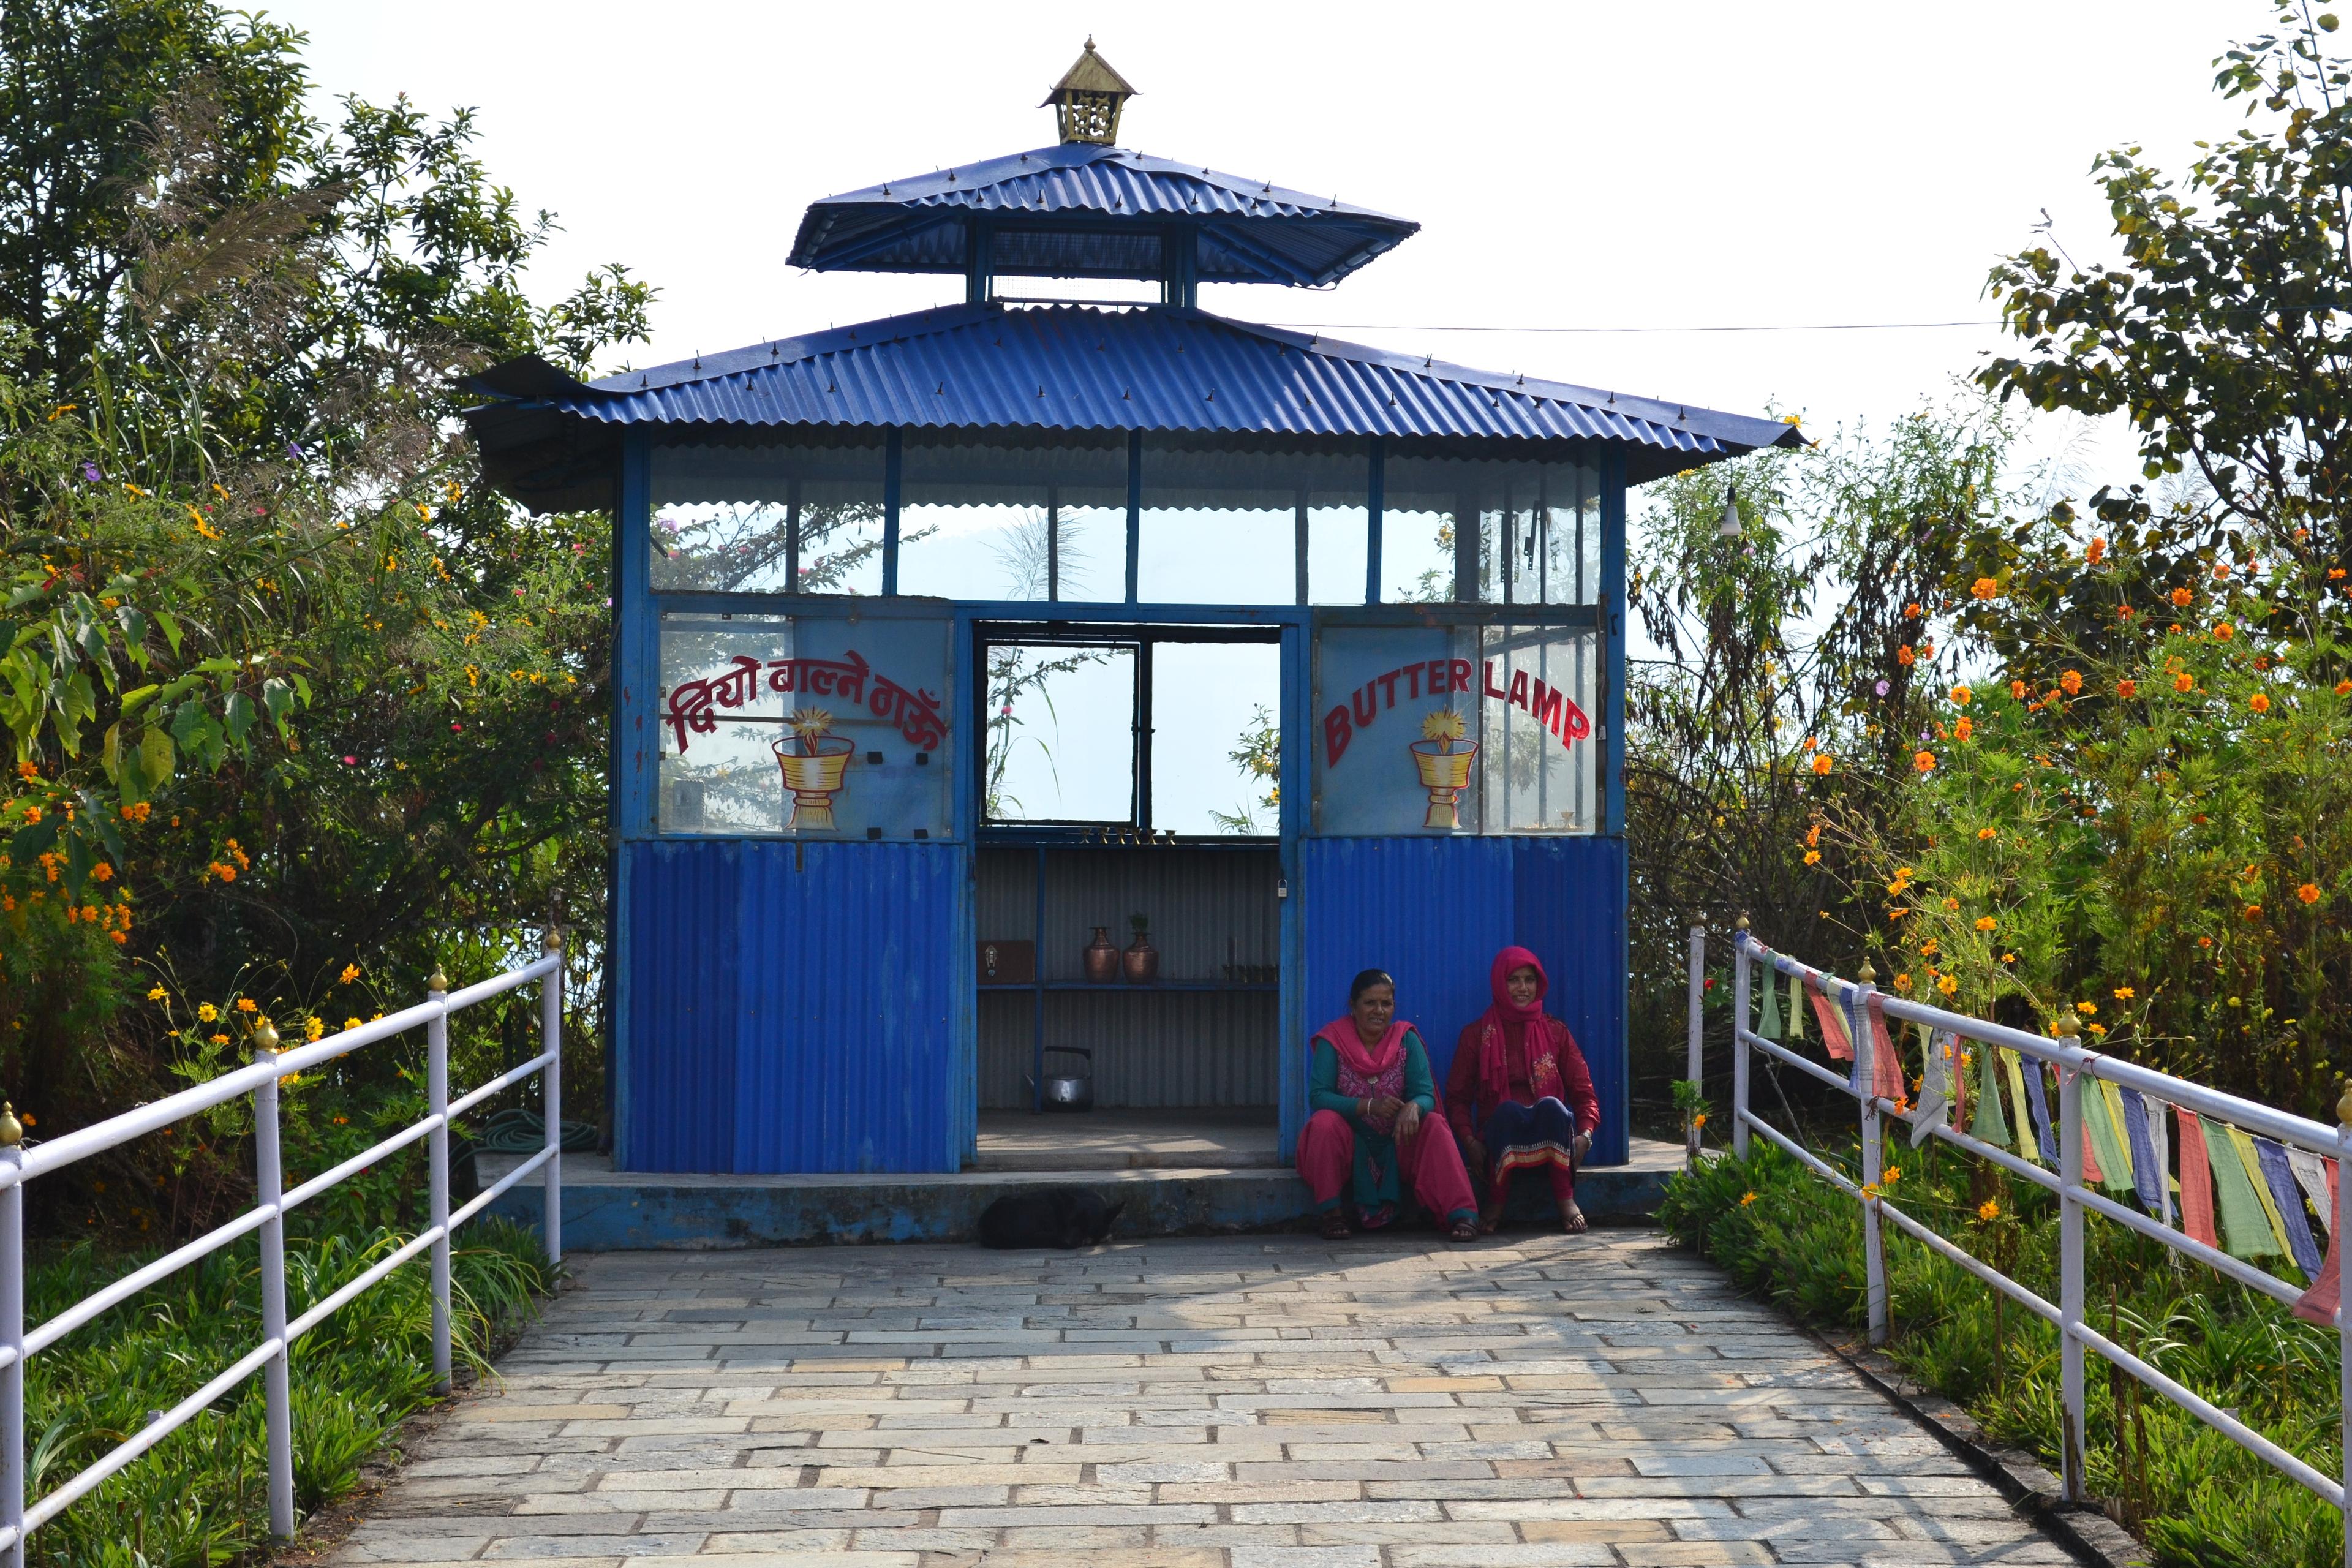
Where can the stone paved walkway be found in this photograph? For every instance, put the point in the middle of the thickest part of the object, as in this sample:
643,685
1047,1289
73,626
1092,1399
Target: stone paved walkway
1264,1401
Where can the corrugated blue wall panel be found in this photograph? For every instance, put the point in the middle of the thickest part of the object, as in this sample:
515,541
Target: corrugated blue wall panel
679,939
857,986
1435,912
1571,907
797,1006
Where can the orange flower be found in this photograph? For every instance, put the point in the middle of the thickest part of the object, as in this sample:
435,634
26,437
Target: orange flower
1822,765
2220,570
2308,892
1984,922
2204,942
2017,687
2225,632
1985,588
2183,597
2344,688
2123,612
2098,549
1924,760
2259,703
1964,728
2127,689
1963,695
2184,683
2071,682
1911,611
1905,654
1987,832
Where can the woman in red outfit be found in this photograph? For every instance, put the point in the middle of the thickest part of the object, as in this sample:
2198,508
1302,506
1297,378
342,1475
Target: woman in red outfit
1519,1095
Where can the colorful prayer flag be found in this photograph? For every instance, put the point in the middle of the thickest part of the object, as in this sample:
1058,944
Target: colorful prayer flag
1886,1071
2196,1179
2288,1200
1833,1032
2160,1135
1990,1126
2312,1177
1769,1027
2105,1131
2251,1159
2045,1131
2147,1176
1796,1010
2027,1145
2245,1221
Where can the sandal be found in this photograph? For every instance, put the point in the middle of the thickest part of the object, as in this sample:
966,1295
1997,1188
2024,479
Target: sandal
1571,1218
1336,1226
1464,1229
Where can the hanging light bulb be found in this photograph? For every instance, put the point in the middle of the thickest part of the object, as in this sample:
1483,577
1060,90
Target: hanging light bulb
1729,527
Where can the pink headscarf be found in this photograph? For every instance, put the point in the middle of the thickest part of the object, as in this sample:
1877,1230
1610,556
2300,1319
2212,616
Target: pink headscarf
1368,1061
1505,1014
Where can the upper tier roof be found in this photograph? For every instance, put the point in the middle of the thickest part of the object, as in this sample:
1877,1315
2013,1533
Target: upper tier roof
552,442
1087,211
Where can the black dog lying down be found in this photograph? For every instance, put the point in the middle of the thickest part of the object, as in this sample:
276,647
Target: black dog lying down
1048,1217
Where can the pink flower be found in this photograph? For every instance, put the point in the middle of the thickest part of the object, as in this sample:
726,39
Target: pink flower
351,762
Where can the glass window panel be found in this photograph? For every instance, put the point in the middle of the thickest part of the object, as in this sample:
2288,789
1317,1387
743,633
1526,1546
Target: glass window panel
1215,745
1336,537
1031,519
1061,734
1539,686
723,781
772,518
1535,540
1219,524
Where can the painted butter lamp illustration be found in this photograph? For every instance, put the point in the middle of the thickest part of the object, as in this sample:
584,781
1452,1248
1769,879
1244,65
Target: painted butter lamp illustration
1444,770
814,761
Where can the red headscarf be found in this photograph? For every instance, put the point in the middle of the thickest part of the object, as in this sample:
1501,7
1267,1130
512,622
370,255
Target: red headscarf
1369,1061
1506,1016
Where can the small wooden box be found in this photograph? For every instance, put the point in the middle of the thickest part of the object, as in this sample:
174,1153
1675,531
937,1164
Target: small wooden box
1008,963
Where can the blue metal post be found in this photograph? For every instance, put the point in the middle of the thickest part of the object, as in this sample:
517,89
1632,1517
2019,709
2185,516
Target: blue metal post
1293,820
1613,601
890,466
1134,506
635,770
1377,505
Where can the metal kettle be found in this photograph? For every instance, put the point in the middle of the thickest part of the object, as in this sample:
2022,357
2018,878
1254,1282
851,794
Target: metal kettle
1072,1091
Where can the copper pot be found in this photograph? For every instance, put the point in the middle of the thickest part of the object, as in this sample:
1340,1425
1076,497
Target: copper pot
1141,961
1101,958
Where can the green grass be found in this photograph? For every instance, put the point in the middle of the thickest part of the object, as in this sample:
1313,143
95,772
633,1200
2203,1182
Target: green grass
200,1497
2193,1495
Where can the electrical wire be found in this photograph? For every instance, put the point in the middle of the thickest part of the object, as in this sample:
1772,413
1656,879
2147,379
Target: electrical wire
1822,327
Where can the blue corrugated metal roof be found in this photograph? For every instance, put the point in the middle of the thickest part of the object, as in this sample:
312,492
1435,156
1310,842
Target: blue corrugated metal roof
1084,211
1069,367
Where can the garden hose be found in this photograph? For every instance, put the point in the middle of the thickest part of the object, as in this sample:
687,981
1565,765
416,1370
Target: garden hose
519,1130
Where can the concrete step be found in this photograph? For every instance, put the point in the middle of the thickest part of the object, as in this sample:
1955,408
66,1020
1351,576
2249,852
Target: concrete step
608,1210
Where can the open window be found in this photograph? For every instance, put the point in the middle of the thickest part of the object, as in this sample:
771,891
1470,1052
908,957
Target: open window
1158,730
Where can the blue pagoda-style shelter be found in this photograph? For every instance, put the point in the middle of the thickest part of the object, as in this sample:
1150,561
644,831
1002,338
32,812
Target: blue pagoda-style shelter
929,627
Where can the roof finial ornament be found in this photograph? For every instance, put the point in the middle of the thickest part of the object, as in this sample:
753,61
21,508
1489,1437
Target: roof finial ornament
1088,98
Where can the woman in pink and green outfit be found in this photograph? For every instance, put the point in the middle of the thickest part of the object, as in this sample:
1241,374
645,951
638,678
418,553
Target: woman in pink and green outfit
1374,1127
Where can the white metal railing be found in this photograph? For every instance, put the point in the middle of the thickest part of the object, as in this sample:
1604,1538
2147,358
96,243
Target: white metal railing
21,1162
1857,1001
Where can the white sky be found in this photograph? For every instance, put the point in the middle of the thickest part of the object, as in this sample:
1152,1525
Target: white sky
1706,163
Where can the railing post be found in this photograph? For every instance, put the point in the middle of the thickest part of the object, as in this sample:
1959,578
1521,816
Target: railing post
277,1406
436,1159
12,1338
1865,1063
1740,1023
550,1092
2070,1273
1697,1064
2337,1233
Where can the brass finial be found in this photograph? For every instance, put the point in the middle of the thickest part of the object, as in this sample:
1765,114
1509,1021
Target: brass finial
1741,923
1087,100
12,1132
2343,1106
553,940
437,980
264,1034
1866,974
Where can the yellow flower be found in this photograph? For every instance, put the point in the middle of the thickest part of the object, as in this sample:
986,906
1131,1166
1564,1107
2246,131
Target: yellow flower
2124,993
1947,984
1812,857
246,1004
1894,1174
2009,958
156,994
1698,1119
351,973
207,1012
313,1027
1746,1199
2099,1029
1989,1211
1903,983
351,1023
2086,1008
1984,922
218,1041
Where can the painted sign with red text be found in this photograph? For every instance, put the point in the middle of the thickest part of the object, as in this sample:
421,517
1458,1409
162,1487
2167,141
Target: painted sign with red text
805,725
1453,728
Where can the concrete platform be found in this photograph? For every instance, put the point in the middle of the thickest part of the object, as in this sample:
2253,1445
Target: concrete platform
1232,1140
608,1210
